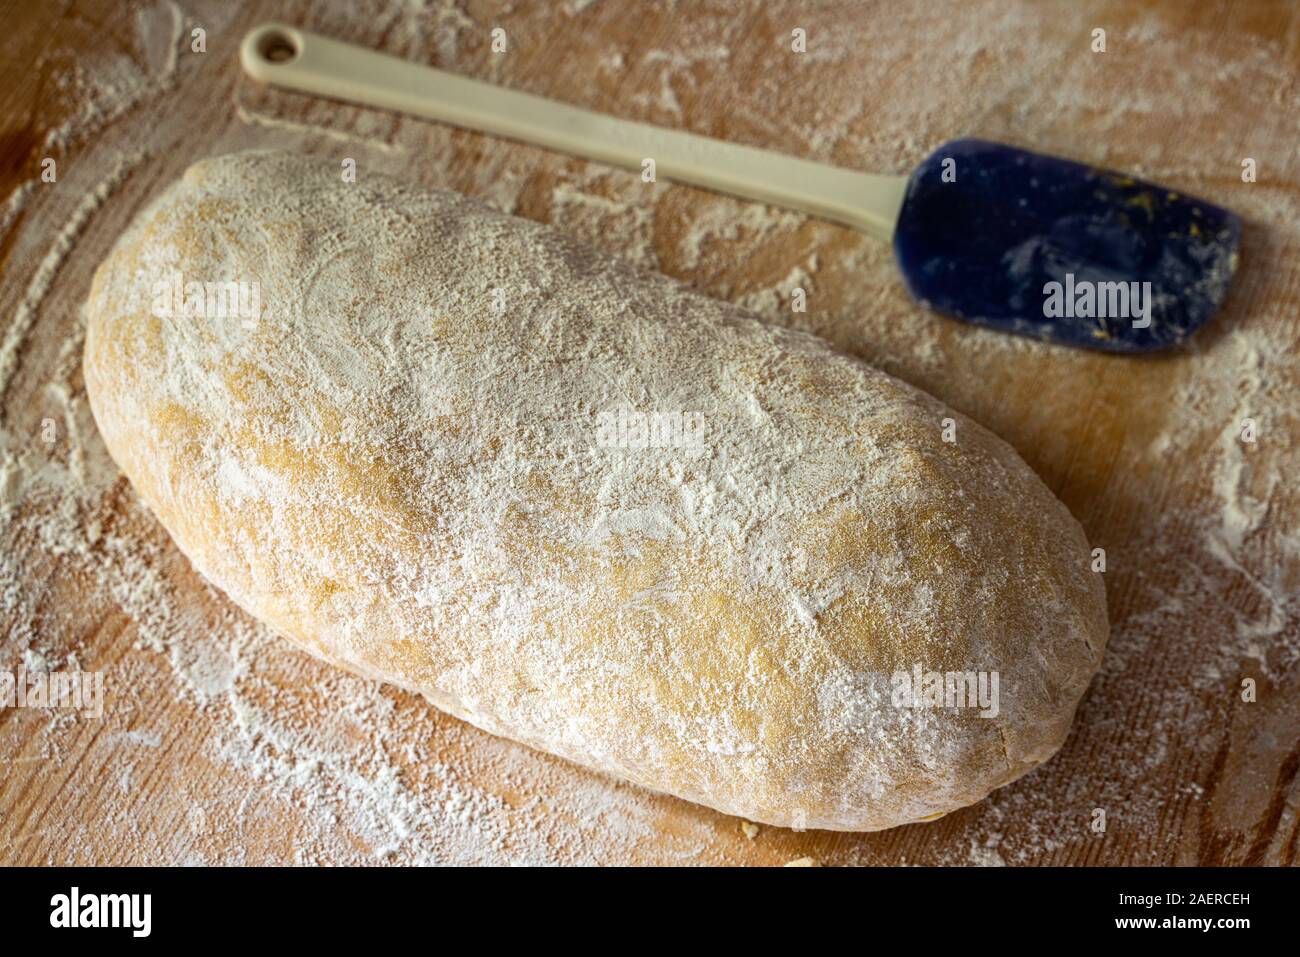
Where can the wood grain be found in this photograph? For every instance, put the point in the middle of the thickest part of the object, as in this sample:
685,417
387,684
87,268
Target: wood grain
1142,451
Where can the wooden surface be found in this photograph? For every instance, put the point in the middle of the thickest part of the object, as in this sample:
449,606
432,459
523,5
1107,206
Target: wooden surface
219,745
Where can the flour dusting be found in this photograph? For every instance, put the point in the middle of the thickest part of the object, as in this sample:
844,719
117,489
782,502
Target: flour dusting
1206,578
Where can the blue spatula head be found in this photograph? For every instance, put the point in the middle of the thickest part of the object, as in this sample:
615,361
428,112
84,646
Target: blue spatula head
1033,244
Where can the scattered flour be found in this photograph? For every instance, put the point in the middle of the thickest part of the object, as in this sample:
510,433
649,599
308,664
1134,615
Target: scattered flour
1207,578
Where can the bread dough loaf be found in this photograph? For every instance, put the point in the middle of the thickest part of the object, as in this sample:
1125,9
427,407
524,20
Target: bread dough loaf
425,462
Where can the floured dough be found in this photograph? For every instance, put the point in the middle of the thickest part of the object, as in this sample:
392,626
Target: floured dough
406,466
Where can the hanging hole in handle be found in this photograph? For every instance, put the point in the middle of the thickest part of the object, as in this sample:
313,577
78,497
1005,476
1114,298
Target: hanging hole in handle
277,48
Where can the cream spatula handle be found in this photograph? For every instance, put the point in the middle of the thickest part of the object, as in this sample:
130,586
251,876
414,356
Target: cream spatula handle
296,59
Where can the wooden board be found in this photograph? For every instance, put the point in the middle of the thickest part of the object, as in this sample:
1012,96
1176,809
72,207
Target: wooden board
218,744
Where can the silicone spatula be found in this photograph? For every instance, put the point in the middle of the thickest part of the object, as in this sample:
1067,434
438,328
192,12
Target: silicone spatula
988,233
